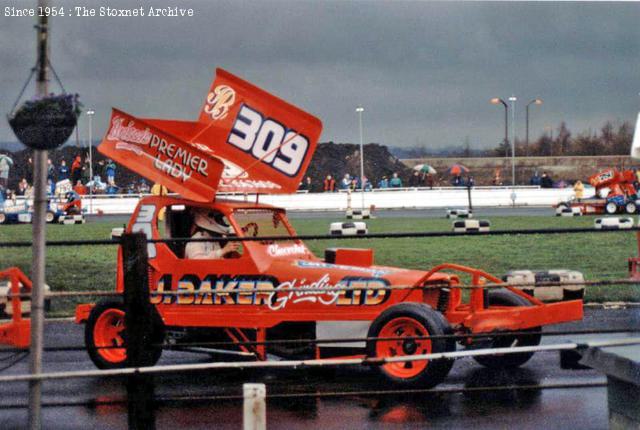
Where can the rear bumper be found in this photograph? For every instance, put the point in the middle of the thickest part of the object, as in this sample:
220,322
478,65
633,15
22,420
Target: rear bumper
519,318
82,312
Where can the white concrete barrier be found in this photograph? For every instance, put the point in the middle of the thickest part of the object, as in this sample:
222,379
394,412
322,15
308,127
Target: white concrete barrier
405,198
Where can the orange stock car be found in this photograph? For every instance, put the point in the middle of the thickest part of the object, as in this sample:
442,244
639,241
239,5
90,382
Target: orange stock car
279,290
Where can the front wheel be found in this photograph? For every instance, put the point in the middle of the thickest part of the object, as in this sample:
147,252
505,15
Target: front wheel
502,361
611,208
409,322
49,217
105,340
630,208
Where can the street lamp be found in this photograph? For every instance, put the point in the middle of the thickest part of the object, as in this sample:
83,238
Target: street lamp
495,101
359,110
513,99
526,145
90,114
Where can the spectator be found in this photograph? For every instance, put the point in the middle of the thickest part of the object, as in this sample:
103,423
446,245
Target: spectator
86,172
457,181
366,184
429,181
76,169
80,189
470,182
497,179
415,180
111,172
23,185
384,183
346,182
131,188
5,167
305,185
51,187
395,181
578,187
329,184
29,172
112,189
144,187
51,171
355,183
535,179
63,171
546,181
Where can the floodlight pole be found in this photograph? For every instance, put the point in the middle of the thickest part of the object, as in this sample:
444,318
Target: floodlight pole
39,231
513,100
359,110
90,114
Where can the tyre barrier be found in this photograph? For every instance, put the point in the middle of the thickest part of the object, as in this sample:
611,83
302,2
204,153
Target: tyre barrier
71,219
569,284
568,211
471,226
348,228
6,310
358,214
613,223
459,213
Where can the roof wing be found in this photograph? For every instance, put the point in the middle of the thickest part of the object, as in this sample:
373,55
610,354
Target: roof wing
265,143
161,157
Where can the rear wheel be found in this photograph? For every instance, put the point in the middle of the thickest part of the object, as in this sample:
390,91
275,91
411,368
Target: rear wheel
501,361
408,321
630,208
611,208
49,217
105,337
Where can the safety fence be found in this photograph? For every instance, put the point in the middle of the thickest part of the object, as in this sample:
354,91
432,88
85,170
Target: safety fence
140,370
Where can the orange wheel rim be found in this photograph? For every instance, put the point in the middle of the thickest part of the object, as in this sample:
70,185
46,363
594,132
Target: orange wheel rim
107,335
406,329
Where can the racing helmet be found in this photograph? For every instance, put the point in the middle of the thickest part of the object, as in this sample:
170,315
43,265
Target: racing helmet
212,221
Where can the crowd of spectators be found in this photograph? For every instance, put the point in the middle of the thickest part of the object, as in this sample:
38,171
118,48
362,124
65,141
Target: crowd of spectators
78,175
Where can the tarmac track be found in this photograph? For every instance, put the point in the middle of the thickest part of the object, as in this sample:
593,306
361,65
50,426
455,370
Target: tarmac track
583,408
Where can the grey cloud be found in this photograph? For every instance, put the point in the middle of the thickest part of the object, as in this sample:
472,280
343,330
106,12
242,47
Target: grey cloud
423,70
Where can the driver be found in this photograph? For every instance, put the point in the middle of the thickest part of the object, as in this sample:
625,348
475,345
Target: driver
208,224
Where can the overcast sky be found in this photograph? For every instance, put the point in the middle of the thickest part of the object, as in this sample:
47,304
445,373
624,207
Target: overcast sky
423,71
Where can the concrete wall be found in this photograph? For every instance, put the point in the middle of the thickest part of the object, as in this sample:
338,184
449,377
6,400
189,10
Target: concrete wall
410,198
565,168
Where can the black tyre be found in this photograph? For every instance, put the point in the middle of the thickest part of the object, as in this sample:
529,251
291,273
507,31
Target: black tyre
507,298
411,320
104,336
611,208
630,208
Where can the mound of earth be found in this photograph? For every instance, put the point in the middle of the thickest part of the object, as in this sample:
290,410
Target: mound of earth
338,159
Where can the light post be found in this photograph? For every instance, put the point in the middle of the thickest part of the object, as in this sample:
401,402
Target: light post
526,145
90,114
359,110
513,99
495,101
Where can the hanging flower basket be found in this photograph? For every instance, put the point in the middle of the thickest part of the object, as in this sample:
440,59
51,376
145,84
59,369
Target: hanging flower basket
46,123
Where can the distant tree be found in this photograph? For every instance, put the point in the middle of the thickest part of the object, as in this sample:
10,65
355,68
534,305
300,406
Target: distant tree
621,144
588,144
562,142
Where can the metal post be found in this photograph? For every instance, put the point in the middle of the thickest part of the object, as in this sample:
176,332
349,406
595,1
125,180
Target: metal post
139,330
39,232
495,101
360,109
254,407
526,141
90,114
513,99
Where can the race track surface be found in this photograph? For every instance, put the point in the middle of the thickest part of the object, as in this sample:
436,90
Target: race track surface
312,399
